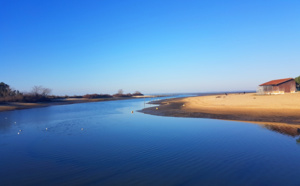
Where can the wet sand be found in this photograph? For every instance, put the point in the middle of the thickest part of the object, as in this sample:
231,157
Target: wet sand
274,109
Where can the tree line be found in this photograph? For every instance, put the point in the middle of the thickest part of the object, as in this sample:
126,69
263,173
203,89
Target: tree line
119,94
42,94
37,94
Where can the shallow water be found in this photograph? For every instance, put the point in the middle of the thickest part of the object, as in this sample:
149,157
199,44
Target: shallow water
103,143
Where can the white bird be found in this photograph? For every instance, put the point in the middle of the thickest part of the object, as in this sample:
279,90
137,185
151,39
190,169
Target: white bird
18,133
81,128
46,128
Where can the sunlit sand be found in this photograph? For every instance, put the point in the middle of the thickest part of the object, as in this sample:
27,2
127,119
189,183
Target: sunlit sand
283,108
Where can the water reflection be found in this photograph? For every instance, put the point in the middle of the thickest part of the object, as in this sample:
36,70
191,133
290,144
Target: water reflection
105,144
5,123
40,115
292,131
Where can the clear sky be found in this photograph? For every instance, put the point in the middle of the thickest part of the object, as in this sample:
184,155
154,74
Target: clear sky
154,46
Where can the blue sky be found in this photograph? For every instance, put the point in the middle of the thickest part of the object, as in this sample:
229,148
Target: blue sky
155,46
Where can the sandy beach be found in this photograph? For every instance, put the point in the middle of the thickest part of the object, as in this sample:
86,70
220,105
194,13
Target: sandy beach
284,108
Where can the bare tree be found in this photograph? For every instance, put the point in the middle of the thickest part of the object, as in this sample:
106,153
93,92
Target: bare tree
40,91
120,92
36,90
46,91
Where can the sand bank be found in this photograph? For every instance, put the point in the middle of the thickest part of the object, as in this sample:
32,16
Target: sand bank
283,108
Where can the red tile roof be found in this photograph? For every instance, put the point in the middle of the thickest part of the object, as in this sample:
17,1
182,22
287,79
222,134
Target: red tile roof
276,82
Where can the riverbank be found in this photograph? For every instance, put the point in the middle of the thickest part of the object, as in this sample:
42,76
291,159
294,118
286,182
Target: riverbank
10,106
249,107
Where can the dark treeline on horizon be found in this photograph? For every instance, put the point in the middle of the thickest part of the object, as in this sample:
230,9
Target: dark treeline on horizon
41,94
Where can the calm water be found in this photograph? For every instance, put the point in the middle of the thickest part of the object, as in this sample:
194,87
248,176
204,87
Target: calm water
104,144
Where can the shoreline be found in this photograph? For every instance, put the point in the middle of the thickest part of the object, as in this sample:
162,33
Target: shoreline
12,106
249,107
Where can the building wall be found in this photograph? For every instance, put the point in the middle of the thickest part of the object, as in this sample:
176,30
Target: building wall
289,86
